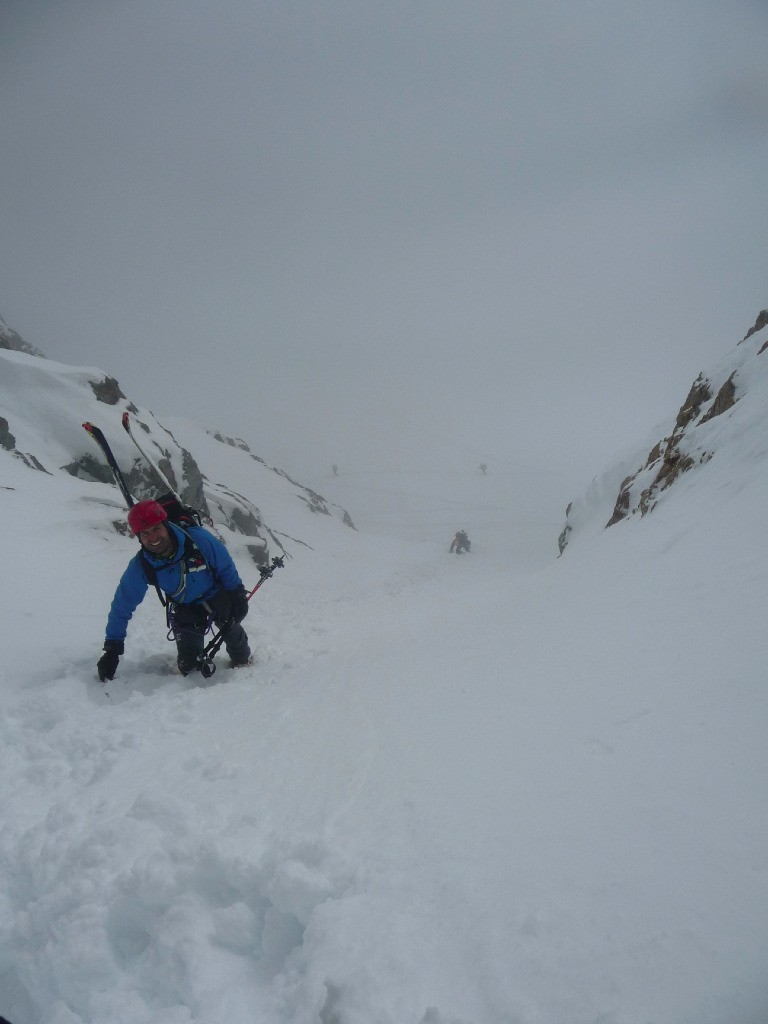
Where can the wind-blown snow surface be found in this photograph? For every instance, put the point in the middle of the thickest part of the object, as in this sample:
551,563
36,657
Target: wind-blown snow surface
502,788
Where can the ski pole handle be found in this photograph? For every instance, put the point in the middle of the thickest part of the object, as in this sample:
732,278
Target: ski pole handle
265,571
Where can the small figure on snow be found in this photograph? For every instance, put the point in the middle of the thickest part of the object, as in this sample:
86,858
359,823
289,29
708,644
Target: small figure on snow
335,469
197,575
460,542
483,468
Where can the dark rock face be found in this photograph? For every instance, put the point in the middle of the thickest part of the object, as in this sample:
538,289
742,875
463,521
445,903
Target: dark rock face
621,508
236,442
260,553
87,467
759,324
724,400
195,491
31,460
691,407
242,516
562,540
7,440
107,391
15,343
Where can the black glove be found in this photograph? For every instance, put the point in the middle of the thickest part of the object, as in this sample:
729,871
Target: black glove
221,607
239,603
107,663
228,607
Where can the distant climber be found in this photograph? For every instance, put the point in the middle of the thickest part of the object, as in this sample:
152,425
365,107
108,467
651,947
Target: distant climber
460,542
483,468
335,469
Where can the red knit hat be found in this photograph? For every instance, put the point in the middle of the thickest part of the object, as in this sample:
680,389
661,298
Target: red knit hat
144,514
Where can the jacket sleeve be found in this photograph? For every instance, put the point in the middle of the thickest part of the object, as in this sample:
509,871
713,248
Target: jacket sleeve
130,592
218,558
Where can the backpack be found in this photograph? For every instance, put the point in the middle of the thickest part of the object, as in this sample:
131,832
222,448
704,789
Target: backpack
181,515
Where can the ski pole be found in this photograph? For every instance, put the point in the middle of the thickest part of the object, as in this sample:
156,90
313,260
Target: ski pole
205,658
265,571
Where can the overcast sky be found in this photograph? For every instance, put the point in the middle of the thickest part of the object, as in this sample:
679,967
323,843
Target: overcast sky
496,230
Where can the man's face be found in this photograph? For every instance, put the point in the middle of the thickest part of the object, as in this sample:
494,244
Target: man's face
155,538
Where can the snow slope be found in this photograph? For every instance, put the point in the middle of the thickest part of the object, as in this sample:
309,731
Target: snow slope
502,788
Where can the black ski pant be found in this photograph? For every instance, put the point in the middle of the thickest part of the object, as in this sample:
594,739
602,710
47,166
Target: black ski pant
189,623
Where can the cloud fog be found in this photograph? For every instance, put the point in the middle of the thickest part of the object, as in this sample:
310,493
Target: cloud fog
486,231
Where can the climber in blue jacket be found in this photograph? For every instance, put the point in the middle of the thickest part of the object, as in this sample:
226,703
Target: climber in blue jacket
196,579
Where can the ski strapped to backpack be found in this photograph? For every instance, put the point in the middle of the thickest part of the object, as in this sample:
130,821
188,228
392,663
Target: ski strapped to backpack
150,462
106,451
177,512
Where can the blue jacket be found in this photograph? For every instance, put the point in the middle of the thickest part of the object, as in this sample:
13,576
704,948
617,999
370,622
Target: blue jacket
185,579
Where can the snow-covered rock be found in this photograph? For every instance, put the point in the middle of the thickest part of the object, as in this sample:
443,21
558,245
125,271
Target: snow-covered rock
725,405
13,341
43,405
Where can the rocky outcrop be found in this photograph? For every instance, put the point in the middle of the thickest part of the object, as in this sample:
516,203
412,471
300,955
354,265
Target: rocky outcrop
43,407
214,500
668,459
692,442
195,482
759,324
724,400
315,502
14,342
107,391
32,461
562,540
236,442
242,516
88,467
8,441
